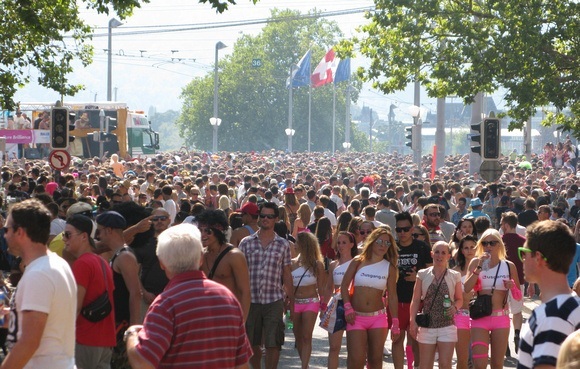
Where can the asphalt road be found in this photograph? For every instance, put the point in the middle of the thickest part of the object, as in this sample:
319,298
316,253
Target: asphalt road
289,357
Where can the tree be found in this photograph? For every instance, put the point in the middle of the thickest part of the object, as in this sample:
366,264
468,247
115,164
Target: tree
33,37
253,102
453,47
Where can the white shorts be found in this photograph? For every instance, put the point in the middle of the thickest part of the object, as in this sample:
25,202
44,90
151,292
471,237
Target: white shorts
431,336
516,306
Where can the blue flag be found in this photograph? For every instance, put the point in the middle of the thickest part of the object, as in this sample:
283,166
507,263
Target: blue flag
301,76
343,71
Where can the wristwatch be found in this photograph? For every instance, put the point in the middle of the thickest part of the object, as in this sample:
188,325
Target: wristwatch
130,331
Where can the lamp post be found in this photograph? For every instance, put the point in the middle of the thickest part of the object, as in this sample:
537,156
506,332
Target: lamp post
290,132
346,146
113,23
215,121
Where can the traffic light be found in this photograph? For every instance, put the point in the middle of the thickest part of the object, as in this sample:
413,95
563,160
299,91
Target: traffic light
412,135
476,138
491,138
59,128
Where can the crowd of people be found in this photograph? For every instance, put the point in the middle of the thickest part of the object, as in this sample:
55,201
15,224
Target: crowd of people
189,258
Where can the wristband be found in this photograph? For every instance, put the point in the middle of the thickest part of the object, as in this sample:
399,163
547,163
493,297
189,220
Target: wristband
395,326
348,309
475,272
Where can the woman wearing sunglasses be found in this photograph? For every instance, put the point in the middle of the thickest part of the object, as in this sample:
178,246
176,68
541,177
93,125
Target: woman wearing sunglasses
465,253
433,287
346,250
308,279
422,234
364,230
494,277
371,274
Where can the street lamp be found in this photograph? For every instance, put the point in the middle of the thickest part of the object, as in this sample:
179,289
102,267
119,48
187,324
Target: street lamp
346,146
290,132
113,23
215,121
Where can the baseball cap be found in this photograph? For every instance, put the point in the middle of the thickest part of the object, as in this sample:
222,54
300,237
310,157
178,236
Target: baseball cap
250,208
80,207
112,219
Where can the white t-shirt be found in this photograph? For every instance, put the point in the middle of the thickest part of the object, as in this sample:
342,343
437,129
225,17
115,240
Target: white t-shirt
171,208
47,286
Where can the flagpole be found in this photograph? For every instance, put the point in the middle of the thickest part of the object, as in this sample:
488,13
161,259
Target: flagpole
309,105
347,118
333,115
290,111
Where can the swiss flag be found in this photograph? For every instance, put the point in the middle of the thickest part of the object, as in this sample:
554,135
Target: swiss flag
324,72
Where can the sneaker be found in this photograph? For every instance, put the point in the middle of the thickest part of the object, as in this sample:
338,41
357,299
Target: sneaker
517,343
386,351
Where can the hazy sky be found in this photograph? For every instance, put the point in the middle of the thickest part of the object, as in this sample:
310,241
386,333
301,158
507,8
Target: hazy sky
151,69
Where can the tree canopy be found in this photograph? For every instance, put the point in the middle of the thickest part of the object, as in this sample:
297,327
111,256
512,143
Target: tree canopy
33,37
530,48
253,102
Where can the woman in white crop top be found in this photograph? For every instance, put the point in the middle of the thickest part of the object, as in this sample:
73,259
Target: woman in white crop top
371,273
491,247
346,250
309,267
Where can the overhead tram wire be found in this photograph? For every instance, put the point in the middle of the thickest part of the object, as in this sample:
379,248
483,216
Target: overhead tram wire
203,26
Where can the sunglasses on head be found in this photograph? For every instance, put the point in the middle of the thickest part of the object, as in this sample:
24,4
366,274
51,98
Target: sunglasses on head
489,243
269,216
158,218
402,229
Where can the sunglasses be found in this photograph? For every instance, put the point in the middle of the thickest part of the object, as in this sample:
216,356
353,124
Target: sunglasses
523,250
67,235
489,243
434,214
380,242
402,229
269,216
161,217
194,194
417,235
208,231
363,232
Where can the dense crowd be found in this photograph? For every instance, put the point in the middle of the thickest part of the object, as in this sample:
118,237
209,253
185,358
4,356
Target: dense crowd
361,241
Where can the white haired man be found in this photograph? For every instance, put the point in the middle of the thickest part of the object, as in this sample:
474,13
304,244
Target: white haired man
181,328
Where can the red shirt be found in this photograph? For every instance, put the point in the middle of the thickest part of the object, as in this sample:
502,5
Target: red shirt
194,322
88,272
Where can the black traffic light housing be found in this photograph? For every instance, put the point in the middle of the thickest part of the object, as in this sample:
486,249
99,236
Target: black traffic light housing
491,138
412,135
409,136
476,138
59,128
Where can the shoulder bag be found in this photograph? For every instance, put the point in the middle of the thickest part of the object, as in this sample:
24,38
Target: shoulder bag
423,319
101,307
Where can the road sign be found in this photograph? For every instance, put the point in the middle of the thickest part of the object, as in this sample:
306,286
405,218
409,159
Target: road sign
256,63
490,170
59,159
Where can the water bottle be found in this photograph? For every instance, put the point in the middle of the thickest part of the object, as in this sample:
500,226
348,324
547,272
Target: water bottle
289,323
485,265
446,305
2,301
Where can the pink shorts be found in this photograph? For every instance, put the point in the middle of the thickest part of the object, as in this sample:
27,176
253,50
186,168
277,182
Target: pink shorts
309,306
462,319
498,319
363,323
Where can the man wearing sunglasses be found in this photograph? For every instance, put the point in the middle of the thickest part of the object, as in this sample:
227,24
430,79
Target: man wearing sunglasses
546,255
414,255
268,257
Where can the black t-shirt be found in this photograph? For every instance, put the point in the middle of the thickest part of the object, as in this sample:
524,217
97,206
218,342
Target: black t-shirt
417,255
527,217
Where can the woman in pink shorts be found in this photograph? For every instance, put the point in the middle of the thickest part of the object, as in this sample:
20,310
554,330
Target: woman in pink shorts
465,253
371,274
491,274
308,278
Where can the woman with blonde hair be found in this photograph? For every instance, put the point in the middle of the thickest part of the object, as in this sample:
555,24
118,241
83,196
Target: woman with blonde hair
302,220
291,204
490,273
569,355
434,287
284,216
371,274
308,279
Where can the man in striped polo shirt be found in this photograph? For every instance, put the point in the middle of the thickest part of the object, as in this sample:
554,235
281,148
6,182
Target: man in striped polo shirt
546,255
194,322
